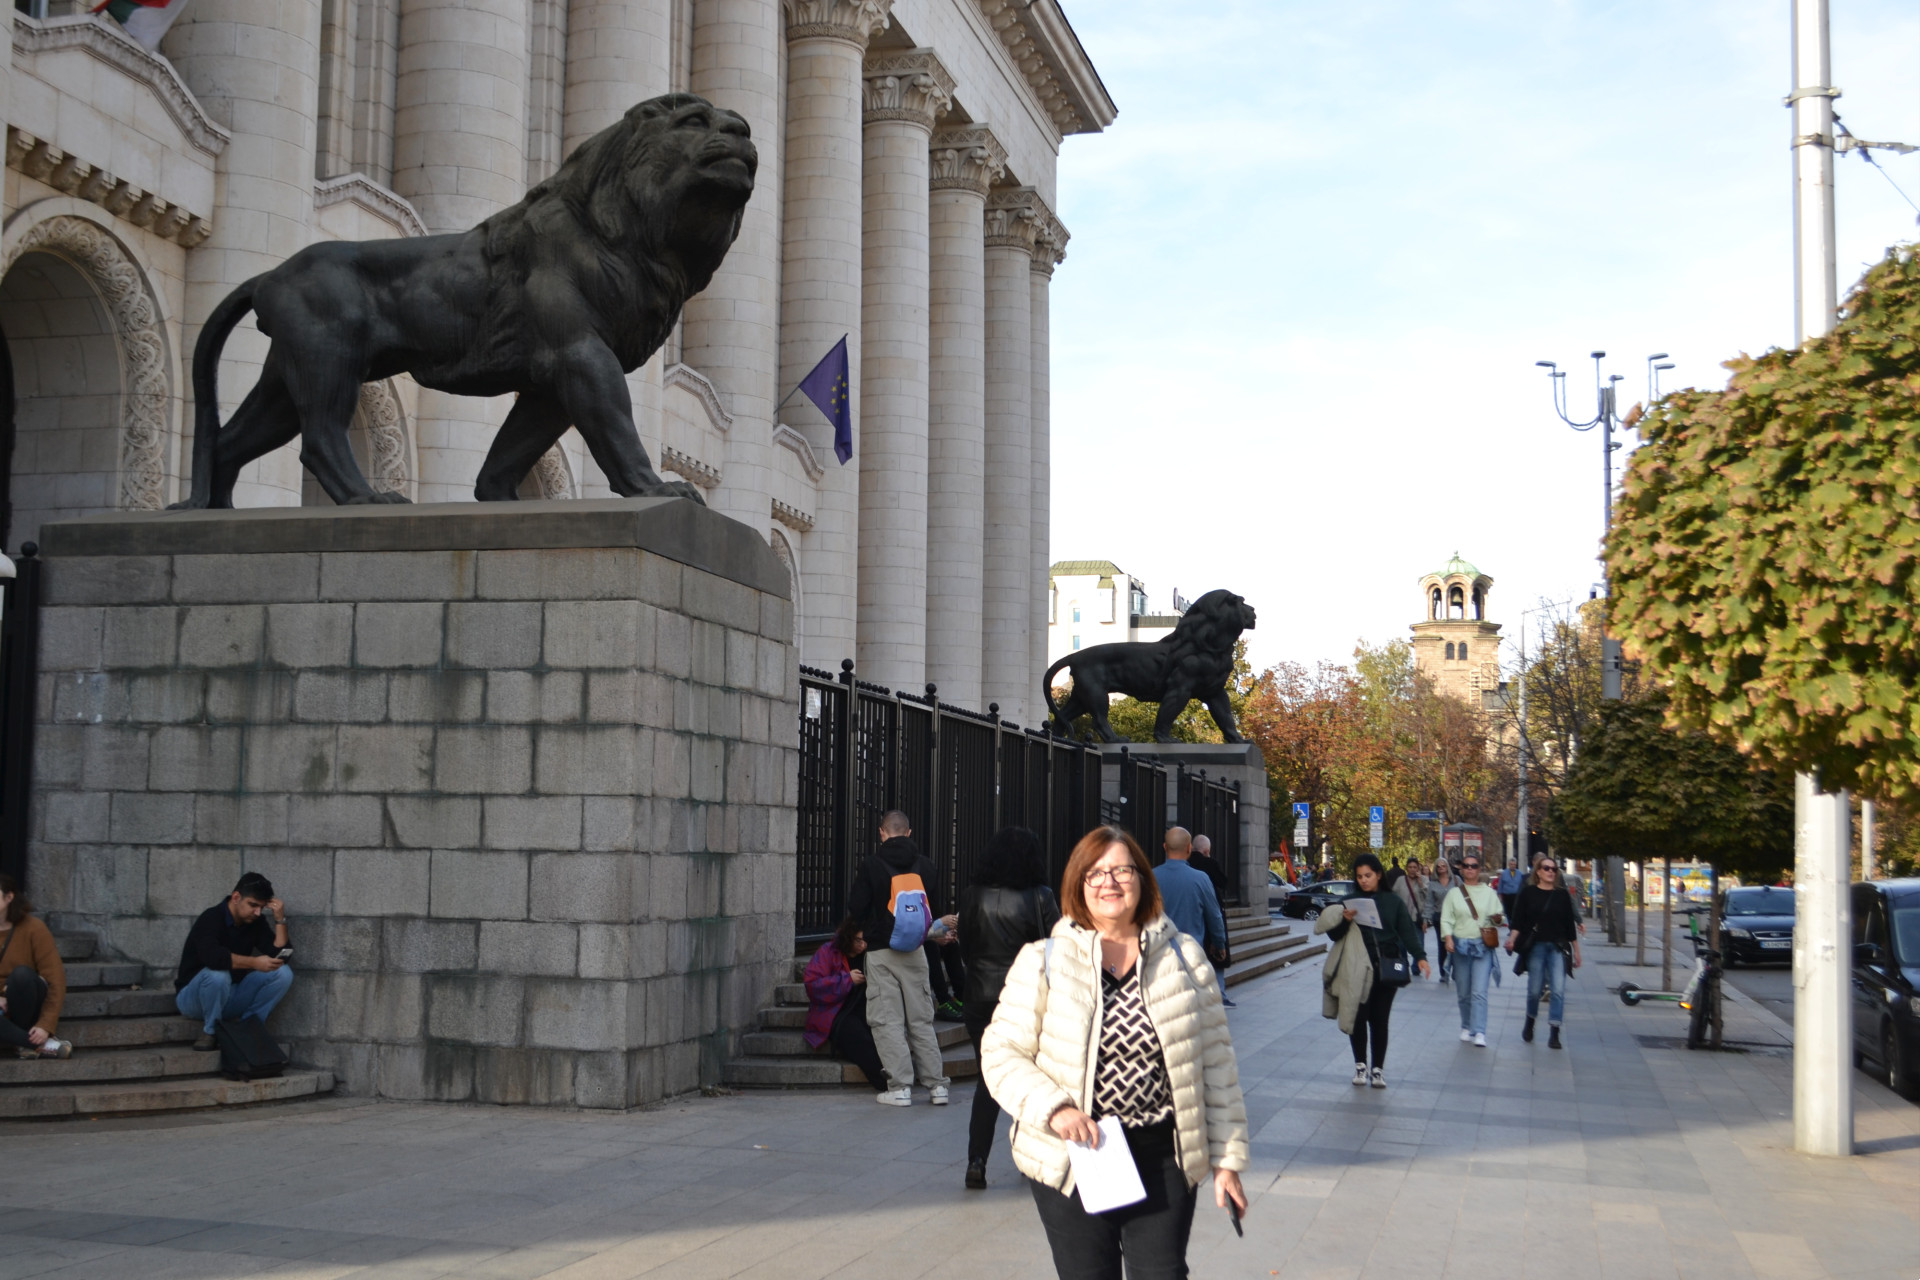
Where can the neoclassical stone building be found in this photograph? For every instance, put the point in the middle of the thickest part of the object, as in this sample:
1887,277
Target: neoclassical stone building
1454,643
905,200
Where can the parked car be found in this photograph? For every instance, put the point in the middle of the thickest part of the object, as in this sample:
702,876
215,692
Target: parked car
1757,924
1309,900
1886,981
1277,891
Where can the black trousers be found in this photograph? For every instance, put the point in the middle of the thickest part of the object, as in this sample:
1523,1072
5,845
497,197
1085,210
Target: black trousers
947,970
1372,1020
852,1039
986,1112
1151,1237
26,994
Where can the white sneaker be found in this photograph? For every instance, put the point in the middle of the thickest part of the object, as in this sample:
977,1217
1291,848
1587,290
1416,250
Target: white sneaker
937,1095
1359,1074
894,1097
1466,1036
57,1049
1480,1040
1379,1078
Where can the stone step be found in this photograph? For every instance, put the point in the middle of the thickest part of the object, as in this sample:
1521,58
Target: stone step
1244,951
788,1042
104,973
153,1063
820,1070
124,1033
790,993
191,1094
76,946
1254,933
1248,970
107,1002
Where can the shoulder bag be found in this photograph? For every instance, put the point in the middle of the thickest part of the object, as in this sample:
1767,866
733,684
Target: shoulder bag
1395,970
1489,934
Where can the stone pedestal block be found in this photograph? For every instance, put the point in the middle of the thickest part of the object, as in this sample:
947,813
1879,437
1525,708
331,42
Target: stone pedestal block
525,775
1228,762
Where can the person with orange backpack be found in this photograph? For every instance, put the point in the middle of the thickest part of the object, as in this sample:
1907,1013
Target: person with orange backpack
892,898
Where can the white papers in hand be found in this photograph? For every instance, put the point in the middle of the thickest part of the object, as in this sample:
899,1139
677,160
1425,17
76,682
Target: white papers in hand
1365,911
1105,1175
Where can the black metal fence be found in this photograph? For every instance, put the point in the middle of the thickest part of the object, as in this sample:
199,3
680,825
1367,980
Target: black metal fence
957,774
19,674
1151,800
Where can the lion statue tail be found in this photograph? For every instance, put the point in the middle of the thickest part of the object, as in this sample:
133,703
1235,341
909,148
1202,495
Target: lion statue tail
206,390
1046,690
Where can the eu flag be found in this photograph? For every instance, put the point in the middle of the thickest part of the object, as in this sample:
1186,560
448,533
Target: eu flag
827,387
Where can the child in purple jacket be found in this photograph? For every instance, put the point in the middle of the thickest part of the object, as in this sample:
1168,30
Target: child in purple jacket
837,1001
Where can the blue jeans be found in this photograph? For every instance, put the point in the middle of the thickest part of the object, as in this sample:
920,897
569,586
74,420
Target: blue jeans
1547,964
212,995
1471,974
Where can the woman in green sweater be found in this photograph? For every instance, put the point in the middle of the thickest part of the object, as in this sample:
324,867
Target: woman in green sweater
1397,937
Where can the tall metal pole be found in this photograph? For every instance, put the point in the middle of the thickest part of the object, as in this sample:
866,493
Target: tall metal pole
1822,1075
1869,844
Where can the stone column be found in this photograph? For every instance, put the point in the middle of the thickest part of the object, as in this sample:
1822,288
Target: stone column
728,330
905,90
459,154
965,161
820,287
619,52
256,70
1050,249
1014,219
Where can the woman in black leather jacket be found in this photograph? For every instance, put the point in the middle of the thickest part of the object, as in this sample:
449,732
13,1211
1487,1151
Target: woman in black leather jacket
1007,905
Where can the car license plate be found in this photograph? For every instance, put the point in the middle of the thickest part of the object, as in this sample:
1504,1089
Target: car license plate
1775,944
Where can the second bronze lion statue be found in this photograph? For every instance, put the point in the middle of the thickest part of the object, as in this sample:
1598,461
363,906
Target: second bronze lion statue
555,299
1194,662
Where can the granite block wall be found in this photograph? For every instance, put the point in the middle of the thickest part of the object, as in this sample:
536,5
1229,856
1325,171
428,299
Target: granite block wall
530,806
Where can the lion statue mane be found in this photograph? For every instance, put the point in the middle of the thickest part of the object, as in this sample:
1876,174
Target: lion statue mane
554,300
1194,662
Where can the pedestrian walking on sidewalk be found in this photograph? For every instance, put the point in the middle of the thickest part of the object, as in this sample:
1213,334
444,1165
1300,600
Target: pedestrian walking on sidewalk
1117,1014
1438,887
1469,927
899,997
837,1001
1188,897
1007,905
35,978
1397,939
1546,935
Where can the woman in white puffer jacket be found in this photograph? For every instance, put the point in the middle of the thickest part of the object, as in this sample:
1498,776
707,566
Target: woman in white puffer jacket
1118,1013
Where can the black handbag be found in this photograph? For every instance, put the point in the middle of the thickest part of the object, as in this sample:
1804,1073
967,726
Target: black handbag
1395,970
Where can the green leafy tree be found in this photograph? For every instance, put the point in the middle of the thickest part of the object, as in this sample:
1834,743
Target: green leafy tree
1642,788
1765,548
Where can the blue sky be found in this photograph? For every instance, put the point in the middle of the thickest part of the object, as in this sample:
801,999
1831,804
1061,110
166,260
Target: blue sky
1314,261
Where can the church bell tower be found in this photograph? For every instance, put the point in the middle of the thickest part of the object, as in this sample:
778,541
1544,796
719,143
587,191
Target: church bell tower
1454,645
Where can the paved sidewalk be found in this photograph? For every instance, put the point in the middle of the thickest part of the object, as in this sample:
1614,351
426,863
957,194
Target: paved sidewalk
1619,1157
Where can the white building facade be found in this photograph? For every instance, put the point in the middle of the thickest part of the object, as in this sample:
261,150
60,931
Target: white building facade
905,200
1093,602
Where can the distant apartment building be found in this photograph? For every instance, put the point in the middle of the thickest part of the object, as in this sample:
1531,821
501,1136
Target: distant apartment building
1093,602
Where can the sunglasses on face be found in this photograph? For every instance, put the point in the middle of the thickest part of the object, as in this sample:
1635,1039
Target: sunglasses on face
1469,866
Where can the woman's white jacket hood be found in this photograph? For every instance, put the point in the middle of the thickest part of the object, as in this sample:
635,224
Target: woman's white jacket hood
1043,1046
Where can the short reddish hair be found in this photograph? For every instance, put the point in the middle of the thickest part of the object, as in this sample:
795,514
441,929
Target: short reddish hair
1093,846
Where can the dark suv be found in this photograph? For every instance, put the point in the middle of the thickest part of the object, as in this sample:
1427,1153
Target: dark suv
1886,981
1758,925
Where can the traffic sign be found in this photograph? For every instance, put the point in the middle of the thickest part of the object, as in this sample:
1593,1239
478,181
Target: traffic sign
1302,815
1423,815
1377,813
1300,810
1377,826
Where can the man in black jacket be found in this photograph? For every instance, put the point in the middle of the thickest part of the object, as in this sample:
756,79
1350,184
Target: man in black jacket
231,966
899,997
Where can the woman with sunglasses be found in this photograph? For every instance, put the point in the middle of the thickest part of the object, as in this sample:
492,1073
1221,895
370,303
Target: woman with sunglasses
1117,1013
1469,910
1546,932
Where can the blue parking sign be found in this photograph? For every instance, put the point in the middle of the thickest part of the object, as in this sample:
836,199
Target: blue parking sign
1299,810
1377,813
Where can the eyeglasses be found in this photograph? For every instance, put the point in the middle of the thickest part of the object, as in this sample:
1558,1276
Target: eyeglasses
1118,875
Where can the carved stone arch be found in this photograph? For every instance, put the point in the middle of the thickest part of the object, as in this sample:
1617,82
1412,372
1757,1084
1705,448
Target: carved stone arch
389,450
146,369
784,549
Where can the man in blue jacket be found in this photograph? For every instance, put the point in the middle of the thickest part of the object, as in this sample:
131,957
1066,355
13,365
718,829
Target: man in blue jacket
1187,896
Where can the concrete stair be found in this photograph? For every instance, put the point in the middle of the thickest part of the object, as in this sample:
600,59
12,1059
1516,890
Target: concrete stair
775,1055
132,1053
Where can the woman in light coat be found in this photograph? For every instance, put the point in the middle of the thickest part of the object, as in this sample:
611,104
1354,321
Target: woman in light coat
1117,1014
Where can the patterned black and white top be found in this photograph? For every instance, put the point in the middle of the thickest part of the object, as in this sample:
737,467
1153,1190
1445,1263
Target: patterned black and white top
1131,1080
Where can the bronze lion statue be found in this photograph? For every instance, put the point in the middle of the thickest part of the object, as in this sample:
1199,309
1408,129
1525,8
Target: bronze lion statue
555,299
1194,662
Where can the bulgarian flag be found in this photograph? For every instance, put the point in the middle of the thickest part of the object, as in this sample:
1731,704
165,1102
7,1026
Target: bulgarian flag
145,20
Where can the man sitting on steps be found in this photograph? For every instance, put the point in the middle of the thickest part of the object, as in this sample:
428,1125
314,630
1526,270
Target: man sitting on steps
230,967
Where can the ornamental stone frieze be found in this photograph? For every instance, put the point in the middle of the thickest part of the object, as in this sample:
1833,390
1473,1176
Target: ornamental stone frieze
1011,23
967,158
44,162
1014,218
854,21
909,85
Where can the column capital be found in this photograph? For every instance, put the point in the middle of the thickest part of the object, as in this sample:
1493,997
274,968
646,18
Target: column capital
1050,245
1015,216
906,84
967,158
854,21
